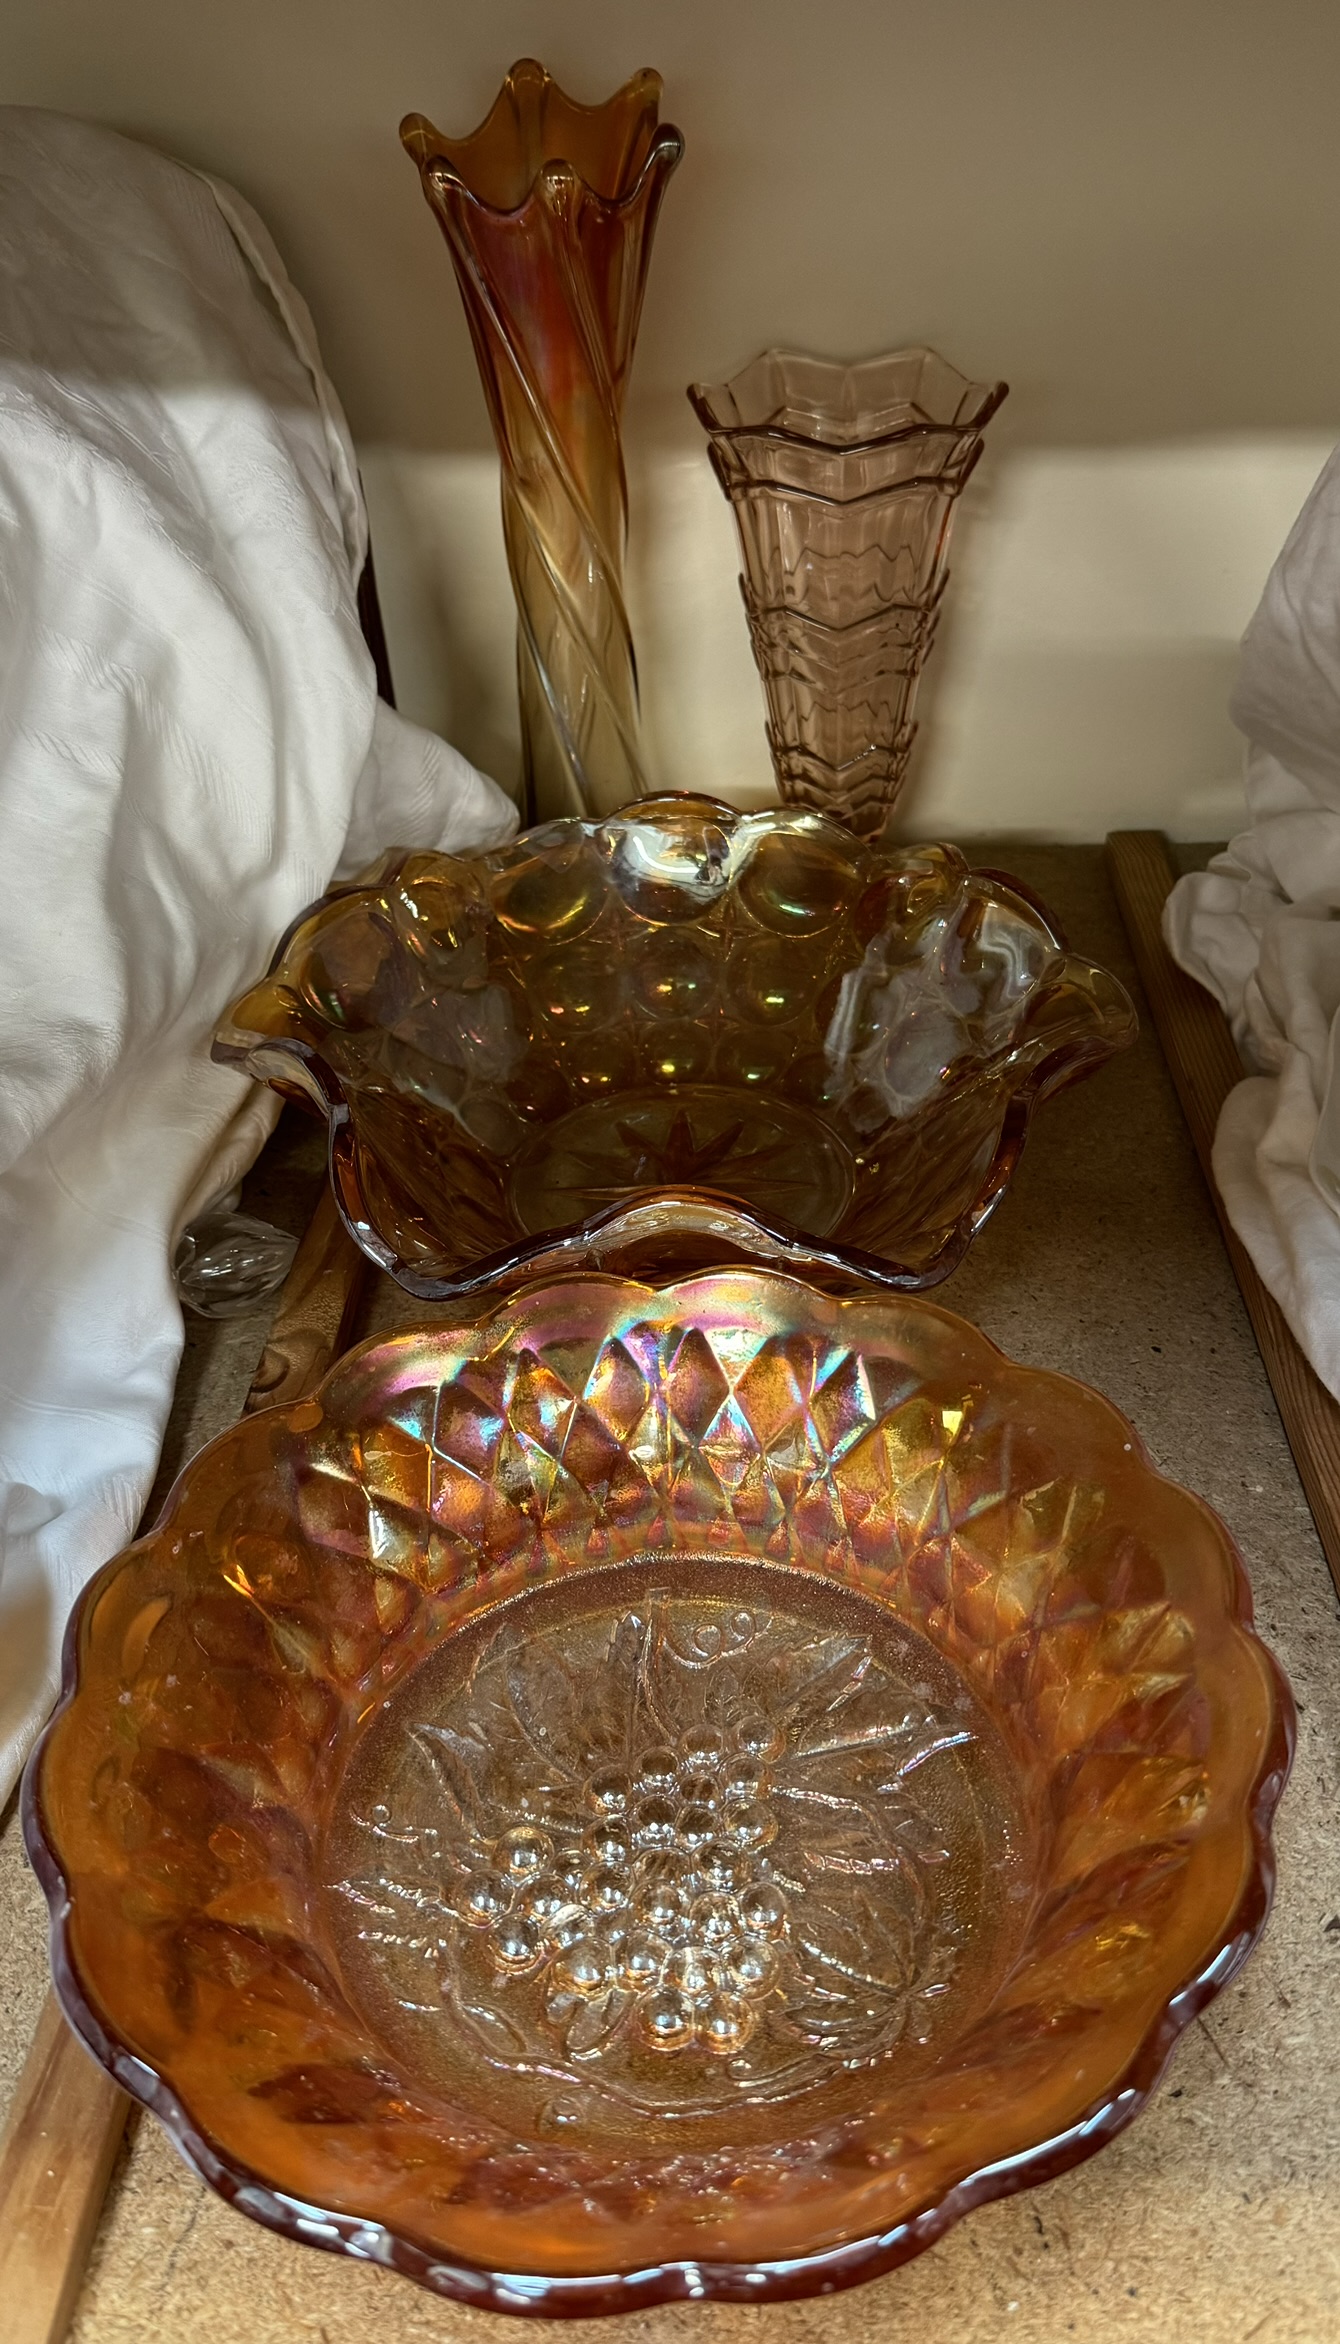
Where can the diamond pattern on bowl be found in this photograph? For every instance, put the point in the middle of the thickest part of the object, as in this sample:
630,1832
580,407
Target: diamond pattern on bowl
1053,1748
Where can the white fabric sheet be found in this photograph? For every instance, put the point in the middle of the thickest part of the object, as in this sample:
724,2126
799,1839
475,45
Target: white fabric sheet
190,746
1261,929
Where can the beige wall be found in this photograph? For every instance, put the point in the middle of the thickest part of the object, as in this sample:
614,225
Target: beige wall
1132,211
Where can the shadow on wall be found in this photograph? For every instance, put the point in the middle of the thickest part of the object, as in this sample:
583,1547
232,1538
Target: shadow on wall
1079,682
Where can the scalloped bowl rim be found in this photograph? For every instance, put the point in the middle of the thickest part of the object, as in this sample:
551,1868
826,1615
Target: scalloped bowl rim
822,2271
756,1237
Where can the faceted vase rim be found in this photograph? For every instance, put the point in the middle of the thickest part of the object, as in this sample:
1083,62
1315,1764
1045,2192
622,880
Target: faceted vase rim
715,404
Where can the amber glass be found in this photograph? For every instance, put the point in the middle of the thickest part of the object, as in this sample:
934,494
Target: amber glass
661,1792
670,1038
548,210
843,481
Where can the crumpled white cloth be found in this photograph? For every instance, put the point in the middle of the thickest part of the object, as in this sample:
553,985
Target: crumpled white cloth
190,746
1261,929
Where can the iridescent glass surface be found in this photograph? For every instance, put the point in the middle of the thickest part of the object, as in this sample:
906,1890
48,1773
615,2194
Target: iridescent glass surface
548,210
671,1036
658,1793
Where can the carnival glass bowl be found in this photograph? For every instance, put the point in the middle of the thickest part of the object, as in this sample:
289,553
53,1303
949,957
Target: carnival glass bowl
659,1793
678,1036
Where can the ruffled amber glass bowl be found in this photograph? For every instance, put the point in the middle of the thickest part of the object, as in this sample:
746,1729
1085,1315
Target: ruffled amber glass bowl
676,1036
661,1793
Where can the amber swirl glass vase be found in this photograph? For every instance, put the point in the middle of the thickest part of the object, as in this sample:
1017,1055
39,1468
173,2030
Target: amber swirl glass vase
843,480
548,210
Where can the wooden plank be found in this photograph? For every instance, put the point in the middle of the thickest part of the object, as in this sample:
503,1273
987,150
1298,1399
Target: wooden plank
1205,1067
311,1324
55,2162
65,2126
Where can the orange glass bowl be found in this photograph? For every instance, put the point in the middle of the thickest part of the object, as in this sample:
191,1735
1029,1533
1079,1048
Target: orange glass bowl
679,1036
659,1793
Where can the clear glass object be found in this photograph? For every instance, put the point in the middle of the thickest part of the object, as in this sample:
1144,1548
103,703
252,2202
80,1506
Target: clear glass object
843,481
658,1793
672,1036
229,1262
549,210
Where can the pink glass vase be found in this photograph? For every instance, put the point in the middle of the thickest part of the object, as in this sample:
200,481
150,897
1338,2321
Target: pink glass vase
548,210
843,481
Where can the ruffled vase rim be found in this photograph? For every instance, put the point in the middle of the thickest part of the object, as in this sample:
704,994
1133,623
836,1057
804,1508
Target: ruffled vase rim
447,162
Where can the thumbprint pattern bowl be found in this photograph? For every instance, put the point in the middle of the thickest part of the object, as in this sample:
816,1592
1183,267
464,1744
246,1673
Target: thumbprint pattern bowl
661,1793
673,1037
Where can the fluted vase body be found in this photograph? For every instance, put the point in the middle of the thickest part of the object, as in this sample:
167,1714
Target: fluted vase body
843,481
548,210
